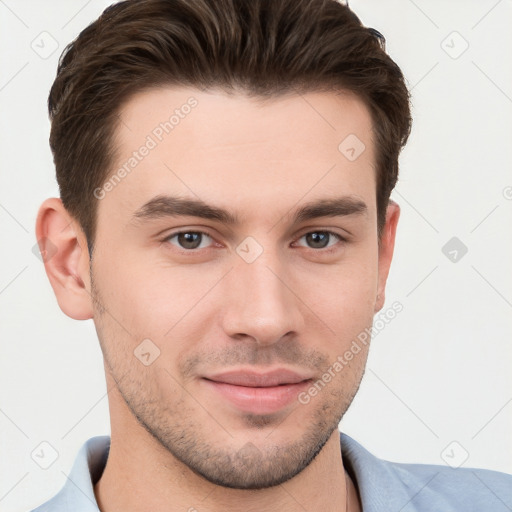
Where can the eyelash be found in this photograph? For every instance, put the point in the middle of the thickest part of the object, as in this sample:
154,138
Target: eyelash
327,250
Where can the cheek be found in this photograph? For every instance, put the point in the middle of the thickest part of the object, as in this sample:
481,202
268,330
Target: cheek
160,301
149,298
342,295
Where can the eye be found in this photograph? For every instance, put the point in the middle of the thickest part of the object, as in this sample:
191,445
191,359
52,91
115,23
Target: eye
188,239
193,240
321,239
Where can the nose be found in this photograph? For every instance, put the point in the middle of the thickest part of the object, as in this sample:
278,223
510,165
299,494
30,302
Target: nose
260,302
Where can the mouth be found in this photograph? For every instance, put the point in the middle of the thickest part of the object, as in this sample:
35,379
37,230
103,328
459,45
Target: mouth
258,393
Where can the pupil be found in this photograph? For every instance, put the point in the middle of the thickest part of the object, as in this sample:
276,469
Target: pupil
189,240
318,239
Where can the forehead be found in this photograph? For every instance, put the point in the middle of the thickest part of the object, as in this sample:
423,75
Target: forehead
211,120
241,152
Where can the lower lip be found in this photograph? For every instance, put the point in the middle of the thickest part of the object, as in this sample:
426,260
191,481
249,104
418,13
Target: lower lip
259,400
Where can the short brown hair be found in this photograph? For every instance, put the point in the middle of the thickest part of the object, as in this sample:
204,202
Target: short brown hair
265,48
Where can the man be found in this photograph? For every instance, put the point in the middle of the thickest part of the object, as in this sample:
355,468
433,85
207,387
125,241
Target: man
225,168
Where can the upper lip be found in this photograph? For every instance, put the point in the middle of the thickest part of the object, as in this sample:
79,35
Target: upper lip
250,378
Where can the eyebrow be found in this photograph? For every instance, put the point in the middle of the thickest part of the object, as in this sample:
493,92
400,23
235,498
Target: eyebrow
163,206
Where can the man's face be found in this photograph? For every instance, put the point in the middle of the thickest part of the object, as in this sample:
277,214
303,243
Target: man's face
266,293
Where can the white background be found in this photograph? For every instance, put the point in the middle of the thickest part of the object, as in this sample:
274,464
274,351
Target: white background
438,373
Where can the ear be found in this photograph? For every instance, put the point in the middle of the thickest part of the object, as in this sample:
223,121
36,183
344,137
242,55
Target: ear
387,246
65,256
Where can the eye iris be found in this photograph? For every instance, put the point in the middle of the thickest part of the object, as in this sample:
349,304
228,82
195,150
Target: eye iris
189,240
318,239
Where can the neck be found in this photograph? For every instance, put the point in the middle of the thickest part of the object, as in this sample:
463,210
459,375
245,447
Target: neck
141,475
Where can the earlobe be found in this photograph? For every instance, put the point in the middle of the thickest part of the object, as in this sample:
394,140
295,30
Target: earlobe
66,259
386,251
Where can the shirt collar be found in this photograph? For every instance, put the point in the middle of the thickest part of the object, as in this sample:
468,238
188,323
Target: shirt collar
77,494
375,479
379,484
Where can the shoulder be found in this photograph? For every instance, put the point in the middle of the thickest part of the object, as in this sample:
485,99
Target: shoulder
77,494
424,487
467,489
52,505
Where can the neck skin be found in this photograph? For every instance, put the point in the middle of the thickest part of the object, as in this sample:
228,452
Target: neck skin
141,475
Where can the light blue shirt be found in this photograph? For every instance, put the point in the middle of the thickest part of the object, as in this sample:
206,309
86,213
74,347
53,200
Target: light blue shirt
383,486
